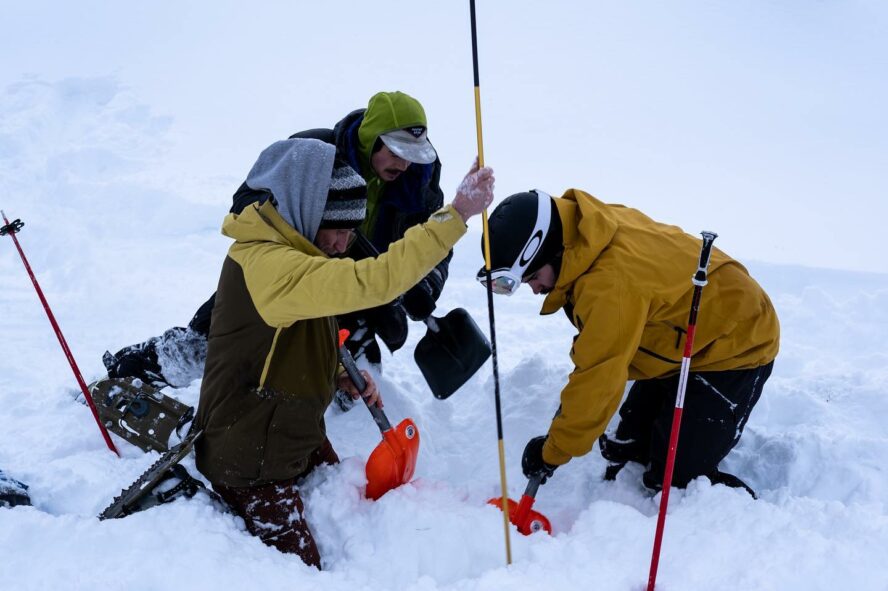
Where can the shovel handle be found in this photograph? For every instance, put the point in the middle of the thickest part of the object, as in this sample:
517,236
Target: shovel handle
348,362
533,485
371,248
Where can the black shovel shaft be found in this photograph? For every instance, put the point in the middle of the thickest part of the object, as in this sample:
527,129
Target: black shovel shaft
371,248
348,362
453,348
533,485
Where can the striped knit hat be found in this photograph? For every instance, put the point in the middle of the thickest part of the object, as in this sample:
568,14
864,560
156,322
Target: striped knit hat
347,198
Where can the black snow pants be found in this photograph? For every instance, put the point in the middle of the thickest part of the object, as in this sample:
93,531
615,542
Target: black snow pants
716,408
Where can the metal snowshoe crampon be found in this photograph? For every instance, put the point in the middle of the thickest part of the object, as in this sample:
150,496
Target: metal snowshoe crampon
138,412
165,481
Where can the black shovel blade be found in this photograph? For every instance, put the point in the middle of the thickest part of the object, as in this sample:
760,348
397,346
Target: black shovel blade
451,355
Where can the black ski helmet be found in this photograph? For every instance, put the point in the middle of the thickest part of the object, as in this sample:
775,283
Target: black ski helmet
516,241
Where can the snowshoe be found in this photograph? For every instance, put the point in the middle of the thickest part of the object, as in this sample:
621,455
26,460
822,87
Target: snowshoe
12,492
139,412
165,481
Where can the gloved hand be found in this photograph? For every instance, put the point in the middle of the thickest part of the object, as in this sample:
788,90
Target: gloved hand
389,322
419,300
532,461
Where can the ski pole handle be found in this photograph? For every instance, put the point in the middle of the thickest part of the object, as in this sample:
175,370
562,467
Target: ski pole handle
351,368
705,253
10,227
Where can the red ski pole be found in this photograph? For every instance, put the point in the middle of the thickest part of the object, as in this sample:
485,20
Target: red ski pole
699,281
12,229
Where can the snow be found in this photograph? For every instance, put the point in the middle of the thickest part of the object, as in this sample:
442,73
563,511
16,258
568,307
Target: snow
122,254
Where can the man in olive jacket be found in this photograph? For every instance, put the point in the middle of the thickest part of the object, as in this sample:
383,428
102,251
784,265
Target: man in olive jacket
272,366
624,282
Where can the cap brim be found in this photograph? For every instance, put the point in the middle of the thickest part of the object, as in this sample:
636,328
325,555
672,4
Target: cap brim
412,150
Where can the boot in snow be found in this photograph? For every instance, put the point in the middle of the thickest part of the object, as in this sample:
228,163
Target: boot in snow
719,477
12,492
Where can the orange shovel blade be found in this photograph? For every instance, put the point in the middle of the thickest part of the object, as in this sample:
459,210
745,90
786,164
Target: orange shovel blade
523,517
393,461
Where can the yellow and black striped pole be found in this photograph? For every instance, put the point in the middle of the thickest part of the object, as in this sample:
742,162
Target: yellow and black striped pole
496,385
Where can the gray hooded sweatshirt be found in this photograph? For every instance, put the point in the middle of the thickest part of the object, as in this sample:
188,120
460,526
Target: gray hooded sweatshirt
297,173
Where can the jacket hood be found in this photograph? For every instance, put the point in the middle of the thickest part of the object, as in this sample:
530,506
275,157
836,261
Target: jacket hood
297,173
387,111
345,137
263,223
587,228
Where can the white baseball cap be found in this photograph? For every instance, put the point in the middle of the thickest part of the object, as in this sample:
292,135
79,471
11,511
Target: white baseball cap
411,143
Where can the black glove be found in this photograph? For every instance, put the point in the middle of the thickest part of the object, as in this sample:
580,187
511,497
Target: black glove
532,461
419,301
389,323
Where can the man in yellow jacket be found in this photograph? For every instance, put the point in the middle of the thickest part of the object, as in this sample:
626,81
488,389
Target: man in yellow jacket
272,363
624,282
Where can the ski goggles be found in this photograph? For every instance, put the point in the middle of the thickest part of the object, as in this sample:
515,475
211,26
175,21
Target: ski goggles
502,281
506,281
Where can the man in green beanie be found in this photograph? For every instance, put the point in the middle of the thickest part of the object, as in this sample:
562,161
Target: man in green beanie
387,144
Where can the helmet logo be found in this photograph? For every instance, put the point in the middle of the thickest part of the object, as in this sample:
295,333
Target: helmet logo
532,247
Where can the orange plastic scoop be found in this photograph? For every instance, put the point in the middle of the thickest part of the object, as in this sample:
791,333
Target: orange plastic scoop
393,461
521,514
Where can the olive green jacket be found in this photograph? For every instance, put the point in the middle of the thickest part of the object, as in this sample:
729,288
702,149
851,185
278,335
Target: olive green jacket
272,350
625,282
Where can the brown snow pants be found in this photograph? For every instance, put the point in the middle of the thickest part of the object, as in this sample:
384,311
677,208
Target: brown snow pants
274,512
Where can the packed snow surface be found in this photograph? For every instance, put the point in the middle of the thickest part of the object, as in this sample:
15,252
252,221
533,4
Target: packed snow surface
122,254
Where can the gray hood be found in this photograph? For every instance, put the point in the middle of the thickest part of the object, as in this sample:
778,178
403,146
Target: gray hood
297,173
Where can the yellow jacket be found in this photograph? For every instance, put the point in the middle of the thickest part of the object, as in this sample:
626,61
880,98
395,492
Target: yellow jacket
625,283
272,349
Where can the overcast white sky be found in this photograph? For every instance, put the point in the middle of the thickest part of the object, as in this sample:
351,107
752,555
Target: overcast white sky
763,121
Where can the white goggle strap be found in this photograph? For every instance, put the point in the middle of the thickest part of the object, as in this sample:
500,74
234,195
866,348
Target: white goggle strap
535,242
